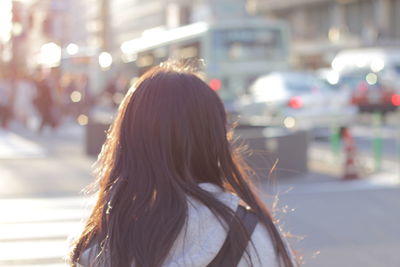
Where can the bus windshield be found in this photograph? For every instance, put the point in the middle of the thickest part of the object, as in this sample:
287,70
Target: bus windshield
246,44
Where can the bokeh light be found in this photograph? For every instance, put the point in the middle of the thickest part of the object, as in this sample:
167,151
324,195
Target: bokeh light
215,84
76,96
83,119
50,55
105,60
5,20
371,78
72,49
289,122
377,65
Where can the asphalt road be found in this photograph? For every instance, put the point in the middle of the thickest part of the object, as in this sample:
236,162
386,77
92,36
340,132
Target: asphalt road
345,228
354,224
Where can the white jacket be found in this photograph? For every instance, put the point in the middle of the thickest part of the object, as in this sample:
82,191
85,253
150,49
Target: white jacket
202,238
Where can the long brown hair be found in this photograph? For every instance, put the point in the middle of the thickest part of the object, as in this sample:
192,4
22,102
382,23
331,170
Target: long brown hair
169,135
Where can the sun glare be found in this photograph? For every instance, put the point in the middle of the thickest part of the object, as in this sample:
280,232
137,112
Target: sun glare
50,55
5,20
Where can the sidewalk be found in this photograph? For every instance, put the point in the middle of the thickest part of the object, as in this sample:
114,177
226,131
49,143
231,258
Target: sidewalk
323,159
60,169
13,146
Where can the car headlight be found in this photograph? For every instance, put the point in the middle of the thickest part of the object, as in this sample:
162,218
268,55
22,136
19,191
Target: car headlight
289,122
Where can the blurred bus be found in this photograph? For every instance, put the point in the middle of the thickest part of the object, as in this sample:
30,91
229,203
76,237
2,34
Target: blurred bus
84,63
235,53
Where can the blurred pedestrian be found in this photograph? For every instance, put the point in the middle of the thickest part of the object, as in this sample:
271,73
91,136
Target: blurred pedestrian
6,103
172,191
87,98
71,98
45,104
25,91
67,86
110,90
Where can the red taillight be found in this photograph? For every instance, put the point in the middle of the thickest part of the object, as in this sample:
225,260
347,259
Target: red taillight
362,87
295,102
215,84
396,100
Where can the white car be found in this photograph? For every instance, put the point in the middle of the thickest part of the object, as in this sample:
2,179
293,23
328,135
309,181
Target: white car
383,61
294,100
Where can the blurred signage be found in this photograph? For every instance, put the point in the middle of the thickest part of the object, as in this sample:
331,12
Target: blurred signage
247,44
269,37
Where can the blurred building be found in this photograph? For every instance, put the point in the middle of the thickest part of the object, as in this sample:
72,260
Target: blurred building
97,24
14,26
36,33
133,18
41,30
88,28
320,28
6,32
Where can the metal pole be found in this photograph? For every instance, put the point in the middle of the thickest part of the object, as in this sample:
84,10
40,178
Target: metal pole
398,145
377,141
335,139
398,149
335,142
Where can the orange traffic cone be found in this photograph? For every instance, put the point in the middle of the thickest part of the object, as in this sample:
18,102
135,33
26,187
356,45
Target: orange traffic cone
350,168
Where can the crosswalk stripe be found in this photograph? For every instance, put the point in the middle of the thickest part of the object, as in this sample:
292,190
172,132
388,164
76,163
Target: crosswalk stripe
33,251
13,146
35,232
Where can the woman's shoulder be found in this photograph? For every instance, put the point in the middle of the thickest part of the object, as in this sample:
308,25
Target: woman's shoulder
204,234
227,198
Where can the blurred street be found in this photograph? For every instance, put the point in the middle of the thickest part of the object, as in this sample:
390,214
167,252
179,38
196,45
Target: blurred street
344,223
312,85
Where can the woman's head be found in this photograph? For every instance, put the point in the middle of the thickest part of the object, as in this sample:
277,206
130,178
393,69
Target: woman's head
169,135
172,118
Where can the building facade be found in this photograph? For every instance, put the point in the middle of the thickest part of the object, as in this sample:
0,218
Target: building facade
35,23
131,19
320,28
